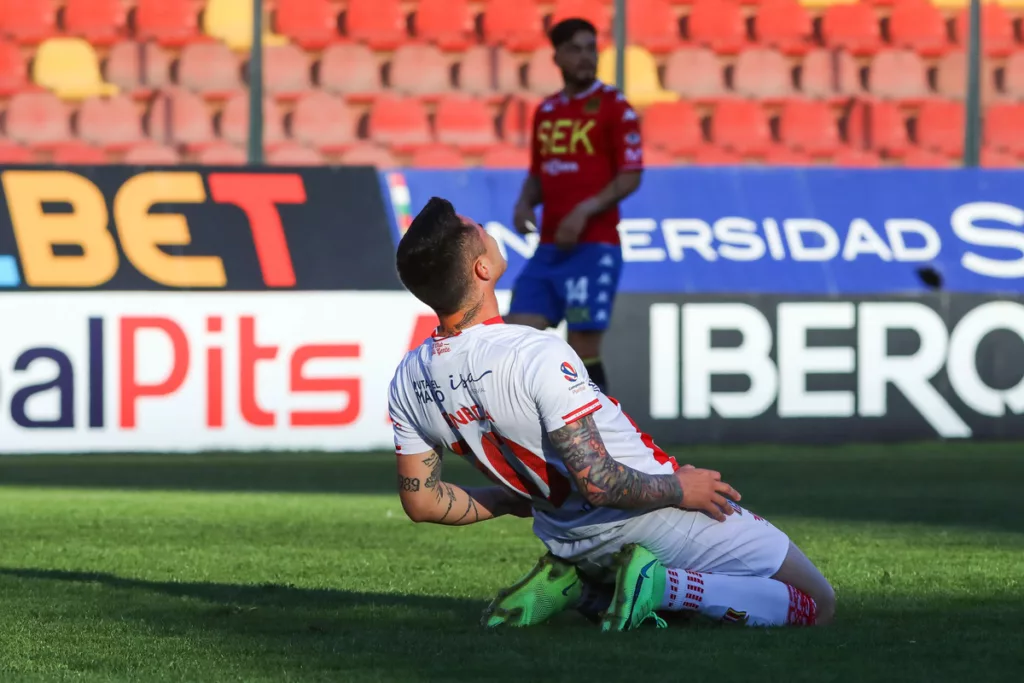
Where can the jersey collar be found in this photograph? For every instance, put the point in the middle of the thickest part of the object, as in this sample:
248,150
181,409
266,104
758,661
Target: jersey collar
496,320
596,85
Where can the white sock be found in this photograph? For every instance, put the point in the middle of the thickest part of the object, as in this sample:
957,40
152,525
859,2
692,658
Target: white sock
749,600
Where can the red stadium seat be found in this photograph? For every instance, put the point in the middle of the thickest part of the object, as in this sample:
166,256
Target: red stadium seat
101,22
696,74
366,154
437,156
810,127
506,156
465,123
112,123
290,154
1013,75
784,25
420,70
28,22
222,154
177,116
151,154
898,74
996,30
400,123
137,68
652,24
940,127
445,23
993,158
742,127
513,23
951,77
709,155
851,27
210,69
878,125
77,153
234,121
924,158
11,153
918,25
855,158
378,23
350,70
322,121
594,11
13,70
763,74
310,24
779,155
169,22
516,120
1003,124
717,24
286,71
543,77
36,118
673,127
831,74
488,71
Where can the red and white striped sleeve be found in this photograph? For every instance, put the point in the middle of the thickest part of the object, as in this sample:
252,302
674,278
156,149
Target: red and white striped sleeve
560,386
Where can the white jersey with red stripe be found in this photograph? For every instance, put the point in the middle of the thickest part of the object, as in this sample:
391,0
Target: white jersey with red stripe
492,394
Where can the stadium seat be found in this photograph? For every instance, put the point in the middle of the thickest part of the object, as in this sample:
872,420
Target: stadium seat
1013,76
784,25
918,25
899,75
951,77
489,71
77,153
290,154
70,68
917,157
741,127
112,123
437,156
763,74
710,155
419,70
151,154
830,74
642,86
594,11
543,77
993,158
230,21
378,23
234,121
11,153
13,70
516,121
137,68
809,126
222,154
654,157
286,72
673,127
506,156
780,155
849,157
996,30
513,23
448,24
696,74
1003,124
653,25
851,27
940,127
324,122
717,24
310,24
350,70
465,123
210,69
169,22
400,123
177,116
37,119
101,22
28,22
367,154
878,125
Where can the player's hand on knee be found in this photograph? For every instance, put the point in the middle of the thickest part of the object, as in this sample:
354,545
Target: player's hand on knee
704,491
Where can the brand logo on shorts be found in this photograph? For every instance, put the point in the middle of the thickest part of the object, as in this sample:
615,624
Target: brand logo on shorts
569,372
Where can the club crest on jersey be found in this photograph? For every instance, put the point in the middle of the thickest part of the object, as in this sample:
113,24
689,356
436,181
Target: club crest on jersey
735,617
569,372
592,106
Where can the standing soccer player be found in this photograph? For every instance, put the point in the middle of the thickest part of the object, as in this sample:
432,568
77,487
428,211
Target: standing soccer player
586,157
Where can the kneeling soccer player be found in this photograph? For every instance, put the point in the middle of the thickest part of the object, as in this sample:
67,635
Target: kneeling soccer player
611,507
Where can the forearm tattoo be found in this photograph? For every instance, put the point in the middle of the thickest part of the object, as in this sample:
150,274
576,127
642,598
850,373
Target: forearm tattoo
408,483
606,482
444,493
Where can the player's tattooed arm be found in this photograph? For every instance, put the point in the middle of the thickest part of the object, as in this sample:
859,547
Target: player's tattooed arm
605,482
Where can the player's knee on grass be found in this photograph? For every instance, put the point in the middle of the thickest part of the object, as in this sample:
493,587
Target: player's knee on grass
798,571
535,321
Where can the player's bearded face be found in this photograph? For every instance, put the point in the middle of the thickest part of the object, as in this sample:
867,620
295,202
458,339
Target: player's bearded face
577,59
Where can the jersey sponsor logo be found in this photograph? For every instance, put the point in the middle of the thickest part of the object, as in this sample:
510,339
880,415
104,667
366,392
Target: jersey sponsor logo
632,138
555,167
427,391
565,136
569,372
465,381
466,414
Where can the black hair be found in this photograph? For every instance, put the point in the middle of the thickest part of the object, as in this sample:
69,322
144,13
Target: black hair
563,31
434,256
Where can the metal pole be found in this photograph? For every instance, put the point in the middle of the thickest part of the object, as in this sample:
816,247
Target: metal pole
620,45
256,86
972,118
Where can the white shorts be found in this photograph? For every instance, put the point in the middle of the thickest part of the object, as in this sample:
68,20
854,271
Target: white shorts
744,544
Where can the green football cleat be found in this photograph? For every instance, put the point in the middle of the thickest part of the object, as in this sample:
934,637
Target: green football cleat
639,586
550,587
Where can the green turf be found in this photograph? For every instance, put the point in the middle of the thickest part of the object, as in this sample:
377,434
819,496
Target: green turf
303,568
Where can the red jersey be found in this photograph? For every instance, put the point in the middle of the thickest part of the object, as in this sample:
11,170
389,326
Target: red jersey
579,145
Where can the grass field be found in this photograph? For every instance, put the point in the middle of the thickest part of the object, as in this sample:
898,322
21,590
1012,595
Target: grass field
303,568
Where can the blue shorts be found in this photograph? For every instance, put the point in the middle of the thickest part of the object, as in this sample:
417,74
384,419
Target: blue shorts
578,285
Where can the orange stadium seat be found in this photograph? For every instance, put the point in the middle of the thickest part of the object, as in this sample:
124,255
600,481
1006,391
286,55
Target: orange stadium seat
742,127
855,158
710,155
852,27
419,70
643,87
70,68
1013,75
168,22
290,154
101,22
234,121
993,158
513,23
595,11
177,116
222,154
28,22
230,21
764,74
465,123
898,75
437,156
878,125
11,153
445,23
1003,124
543,77
210,69
831,74
784,25
673,127
652,24
654,157
112,123
696,74
918,25
917,157
810,127
491,71
286,71
367,154
717,24
940,127
151,154
506,156
37,119
311,24
324,122
779,155
137,68
77,153
516,121
400,123
13,69
996,30
378,23
951,77
351,70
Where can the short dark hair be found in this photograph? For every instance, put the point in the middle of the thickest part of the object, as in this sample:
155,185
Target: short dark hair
563,31
433,256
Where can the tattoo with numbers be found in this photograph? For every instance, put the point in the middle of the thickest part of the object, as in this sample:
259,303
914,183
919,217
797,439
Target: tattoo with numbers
605,481
408,483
